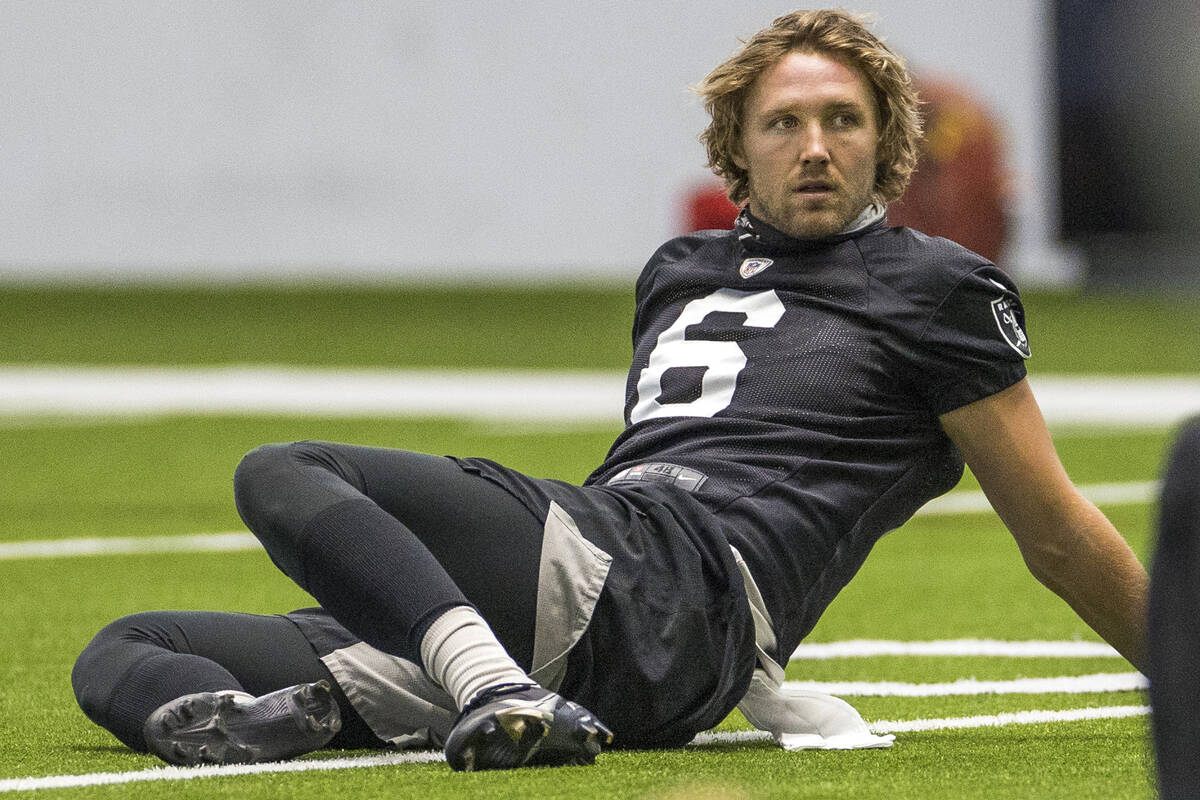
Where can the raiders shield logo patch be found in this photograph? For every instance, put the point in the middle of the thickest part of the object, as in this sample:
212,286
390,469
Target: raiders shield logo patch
1007,312
752,266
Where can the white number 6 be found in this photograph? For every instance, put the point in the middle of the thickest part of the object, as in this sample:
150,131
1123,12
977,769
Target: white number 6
724,361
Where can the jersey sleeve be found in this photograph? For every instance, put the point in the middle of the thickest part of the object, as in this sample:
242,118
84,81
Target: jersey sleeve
974,344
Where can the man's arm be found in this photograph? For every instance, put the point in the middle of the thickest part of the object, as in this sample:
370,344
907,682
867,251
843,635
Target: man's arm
1067,543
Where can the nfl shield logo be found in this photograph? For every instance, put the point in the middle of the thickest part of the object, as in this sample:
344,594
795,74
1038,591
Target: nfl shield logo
752,266
1008,318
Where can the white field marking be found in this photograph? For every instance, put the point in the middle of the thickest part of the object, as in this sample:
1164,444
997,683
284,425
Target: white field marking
871,648
1102,494
434,756
190,543
189,773
480,395
1009,718
952,723
1078,684
1123,401
1103,401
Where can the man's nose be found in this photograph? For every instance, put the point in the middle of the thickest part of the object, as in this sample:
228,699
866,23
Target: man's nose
813,146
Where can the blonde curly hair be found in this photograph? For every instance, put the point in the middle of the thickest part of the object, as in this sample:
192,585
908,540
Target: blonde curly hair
834,32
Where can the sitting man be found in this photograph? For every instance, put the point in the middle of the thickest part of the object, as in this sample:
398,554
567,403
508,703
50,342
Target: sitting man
800,386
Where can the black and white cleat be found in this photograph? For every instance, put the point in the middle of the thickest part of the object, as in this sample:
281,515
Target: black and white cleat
519,725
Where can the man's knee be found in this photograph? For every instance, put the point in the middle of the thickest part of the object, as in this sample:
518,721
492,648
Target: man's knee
277,484
279,488
258,485
103,662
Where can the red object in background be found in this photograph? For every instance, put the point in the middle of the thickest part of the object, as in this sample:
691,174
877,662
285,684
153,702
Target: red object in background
959,189
709,209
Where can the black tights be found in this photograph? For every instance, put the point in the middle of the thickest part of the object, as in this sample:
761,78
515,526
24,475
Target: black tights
139,662
386,540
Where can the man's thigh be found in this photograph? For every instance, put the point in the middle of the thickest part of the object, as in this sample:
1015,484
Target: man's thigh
487,540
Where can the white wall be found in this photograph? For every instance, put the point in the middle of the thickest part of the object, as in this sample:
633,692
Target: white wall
213,141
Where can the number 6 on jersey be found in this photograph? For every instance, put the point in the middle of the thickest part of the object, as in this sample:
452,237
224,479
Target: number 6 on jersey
723,361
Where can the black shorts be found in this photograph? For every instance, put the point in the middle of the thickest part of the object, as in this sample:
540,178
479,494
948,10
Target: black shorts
642,617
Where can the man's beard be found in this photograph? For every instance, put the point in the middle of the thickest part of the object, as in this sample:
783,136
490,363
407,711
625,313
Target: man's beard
800,223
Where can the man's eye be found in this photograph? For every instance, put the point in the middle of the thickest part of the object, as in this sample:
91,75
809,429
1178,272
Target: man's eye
845,121
784,122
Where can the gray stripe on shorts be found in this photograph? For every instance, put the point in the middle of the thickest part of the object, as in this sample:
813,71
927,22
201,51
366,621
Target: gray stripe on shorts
570,578
764,629
394,696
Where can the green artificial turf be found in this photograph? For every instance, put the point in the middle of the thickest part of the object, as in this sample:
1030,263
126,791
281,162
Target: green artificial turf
936,578
559,328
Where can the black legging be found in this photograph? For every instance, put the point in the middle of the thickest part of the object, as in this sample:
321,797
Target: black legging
386,540
139,662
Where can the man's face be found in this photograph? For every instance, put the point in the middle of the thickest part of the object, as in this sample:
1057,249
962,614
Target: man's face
810,141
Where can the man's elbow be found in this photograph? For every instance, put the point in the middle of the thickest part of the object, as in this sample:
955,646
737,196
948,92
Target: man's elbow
1056,542
1049,563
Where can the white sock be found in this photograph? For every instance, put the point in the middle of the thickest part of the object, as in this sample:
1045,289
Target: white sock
460,653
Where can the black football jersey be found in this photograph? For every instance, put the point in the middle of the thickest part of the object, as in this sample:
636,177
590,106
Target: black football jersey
799,384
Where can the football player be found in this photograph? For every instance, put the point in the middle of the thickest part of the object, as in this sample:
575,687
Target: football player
800,386
1174,646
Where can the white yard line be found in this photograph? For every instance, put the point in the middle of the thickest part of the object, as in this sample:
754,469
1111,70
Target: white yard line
952,723
1010,718
189,773
871,648
433,756
1106,401
119,545
1102,494
480,395
1076,684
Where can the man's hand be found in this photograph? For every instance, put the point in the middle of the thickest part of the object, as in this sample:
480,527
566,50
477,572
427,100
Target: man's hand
1067,543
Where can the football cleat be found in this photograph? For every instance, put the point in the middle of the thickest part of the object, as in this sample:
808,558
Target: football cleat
521,724
230,727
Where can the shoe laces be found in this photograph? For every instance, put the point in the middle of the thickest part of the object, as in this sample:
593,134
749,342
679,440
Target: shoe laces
491,693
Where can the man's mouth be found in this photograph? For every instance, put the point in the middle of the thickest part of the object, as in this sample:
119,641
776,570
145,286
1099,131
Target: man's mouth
814,188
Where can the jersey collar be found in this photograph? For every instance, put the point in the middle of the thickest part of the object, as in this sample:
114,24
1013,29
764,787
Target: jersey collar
754,234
